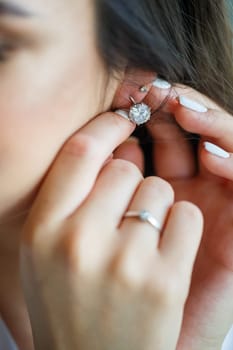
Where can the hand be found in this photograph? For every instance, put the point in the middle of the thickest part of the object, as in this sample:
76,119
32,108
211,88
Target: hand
92,280
206,180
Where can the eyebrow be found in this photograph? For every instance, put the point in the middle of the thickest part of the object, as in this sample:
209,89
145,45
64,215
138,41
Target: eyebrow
10,9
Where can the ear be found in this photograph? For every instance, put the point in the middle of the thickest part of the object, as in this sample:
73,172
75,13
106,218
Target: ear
130,85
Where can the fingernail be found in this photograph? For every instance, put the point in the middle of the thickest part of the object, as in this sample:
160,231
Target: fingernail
217,151
122,113
190,104
161,84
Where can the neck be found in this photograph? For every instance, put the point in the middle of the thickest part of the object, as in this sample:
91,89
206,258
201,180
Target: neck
10,238
12,219
13,308
10,234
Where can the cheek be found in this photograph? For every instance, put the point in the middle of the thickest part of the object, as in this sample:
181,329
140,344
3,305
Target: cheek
38,113
27,148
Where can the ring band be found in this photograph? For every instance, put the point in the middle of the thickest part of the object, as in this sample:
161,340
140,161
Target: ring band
144,215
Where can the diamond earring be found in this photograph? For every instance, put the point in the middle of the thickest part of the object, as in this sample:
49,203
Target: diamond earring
139,113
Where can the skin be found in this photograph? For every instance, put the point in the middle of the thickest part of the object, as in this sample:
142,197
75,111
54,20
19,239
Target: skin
209,185
83,291
50,76
45,75
40,82
43,78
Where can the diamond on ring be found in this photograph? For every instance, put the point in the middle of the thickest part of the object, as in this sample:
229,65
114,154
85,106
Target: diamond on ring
144,215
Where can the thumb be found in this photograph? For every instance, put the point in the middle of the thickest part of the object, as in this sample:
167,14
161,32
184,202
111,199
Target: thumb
131,151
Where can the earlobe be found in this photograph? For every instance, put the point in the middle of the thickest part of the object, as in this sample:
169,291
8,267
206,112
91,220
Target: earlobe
135,83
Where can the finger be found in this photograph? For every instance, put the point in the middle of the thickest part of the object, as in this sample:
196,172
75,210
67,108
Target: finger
217,160
203,171
101,214
118,180
217,128
162,97
197,118
140,239
76,167
130,150
184,120
155,195
173,154
192,94
181,237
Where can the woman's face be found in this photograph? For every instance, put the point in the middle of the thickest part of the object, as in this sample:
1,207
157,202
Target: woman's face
51,83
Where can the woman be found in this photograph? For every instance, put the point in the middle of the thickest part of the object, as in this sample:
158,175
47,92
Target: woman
164,284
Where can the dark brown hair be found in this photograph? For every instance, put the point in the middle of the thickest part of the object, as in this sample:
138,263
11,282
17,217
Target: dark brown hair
188,42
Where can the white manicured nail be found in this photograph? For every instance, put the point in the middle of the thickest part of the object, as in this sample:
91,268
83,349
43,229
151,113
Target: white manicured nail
122,113
217,151
193,105
161,84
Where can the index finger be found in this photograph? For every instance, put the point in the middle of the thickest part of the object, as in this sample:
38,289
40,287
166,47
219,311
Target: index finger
164,99
76,167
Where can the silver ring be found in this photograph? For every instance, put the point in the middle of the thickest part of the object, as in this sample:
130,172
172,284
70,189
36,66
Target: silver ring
144,215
